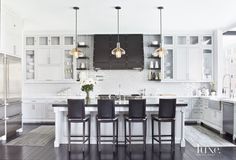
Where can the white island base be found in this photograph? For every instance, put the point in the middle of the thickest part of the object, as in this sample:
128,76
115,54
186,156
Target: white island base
61,130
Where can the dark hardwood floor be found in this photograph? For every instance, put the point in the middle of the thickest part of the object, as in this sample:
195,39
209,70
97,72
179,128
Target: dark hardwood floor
48,152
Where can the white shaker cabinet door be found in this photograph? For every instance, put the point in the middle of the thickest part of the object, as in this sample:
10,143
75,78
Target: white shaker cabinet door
181,63
195,64
33,111
43,56
56,56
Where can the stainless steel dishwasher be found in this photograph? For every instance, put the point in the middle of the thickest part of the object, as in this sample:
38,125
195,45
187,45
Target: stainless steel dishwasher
228,117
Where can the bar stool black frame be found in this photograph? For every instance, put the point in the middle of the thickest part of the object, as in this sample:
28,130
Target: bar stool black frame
76,114
137,113
106,114
167,112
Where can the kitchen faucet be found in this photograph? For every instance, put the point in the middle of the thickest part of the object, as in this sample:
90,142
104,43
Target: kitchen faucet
230,85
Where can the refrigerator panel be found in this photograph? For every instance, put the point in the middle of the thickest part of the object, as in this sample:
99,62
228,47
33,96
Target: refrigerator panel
13,123
13,108
14,77
2,80
2,127
2,112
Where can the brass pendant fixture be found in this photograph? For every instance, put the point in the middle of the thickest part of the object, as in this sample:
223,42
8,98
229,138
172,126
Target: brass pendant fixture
76,52
160,52
118,51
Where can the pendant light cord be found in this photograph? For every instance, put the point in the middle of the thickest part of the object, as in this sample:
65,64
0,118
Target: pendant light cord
76,21
118,25
160,8
161,26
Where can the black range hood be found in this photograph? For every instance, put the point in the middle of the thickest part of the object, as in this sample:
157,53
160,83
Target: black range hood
131,43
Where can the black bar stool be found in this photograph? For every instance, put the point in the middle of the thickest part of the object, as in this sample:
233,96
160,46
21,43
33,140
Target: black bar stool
106,114
167,111
76,114
137,113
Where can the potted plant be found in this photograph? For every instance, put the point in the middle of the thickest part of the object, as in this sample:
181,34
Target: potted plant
213,91
87,86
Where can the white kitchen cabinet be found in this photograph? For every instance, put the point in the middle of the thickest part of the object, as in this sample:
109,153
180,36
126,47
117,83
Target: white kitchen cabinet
56,56
68,66
30,64
207,40
50,59
192,56
33,111
49,56
49,64
194,109
49,113
188,64
194,64
207,64
169,64
193,40
36,112
43,56
168,40
181,40
212,117
30,41
181,63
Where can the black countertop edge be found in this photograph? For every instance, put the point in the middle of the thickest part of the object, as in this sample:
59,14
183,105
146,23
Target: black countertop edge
119,105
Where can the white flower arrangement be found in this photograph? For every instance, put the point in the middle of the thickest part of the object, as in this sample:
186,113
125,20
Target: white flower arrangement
89,81
87,85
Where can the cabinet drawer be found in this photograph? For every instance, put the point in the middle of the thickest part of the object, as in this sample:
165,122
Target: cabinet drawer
196,114
215,105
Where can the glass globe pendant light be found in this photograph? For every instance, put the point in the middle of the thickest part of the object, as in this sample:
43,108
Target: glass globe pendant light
118,51
76,52
160,52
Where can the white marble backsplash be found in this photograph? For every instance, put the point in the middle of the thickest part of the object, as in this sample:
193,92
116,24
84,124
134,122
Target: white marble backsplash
130,82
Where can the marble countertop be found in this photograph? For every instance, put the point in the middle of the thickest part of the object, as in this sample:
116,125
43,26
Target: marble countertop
150,102
50,98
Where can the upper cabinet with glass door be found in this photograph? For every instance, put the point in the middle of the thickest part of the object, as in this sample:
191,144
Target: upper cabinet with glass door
69,41
32,41
169,64
49,40
207,65
207,40
168,40
187,40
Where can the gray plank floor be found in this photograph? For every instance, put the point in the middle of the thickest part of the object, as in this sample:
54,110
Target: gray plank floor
48,152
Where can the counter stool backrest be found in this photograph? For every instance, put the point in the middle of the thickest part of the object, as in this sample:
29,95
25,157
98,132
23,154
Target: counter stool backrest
137,108
106,109
76,108
167,108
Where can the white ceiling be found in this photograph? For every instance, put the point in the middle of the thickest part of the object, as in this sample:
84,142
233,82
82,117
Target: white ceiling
137,16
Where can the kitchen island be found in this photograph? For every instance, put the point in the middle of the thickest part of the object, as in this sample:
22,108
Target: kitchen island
121,108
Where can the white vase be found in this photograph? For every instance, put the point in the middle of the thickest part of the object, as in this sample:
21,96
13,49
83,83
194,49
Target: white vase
151,64
156,64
